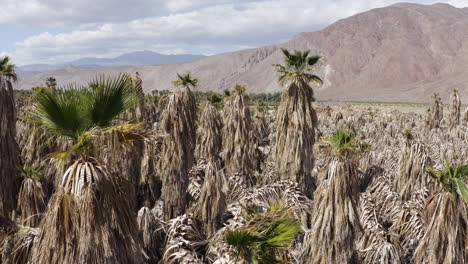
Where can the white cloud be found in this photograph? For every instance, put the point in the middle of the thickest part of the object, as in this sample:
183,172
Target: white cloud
209,26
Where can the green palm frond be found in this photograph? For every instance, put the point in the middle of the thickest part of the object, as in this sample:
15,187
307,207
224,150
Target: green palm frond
243,241
186,80
345,143
28,172
7,70
240,89
264,235
110,98
452,178
215,99
297,66
64,113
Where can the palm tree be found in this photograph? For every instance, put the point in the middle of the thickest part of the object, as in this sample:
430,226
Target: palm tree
88,219
32,197
209,133
9,148
414,162
444,240
335,220
455,110
239,136
187,82
435,113
177,155
51,83
296,119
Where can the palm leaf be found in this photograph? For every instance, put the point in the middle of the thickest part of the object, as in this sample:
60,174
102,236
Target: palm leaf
111,97
64,113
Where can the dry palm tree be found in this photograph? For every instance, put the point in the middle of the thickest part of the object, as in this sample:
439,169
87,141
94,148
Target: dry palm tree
140,108
186,82
335,220
31,198
8,148
414,162
212,202
444,240
455,110
209,133
239,136
296,120
435,113
177,154
88,218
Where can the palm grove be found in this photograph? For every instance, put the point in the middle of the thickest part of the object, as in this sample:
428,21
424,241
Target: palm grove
101,173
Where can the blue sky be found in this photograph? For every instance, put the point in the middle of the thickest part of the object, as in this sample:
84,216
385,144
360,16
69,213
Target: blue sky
56,31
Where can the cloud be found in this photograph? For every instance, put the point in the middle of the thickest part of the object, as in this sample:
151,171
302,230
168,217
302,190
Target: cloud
179,26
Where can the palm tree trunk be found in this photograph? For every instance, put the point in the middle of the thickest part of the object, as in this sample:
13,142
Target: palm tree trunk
8,149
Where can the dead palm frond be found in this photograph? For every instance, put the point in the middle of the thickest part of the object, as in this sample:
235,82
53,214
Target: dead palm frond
335,221
184,241
212,202
152,230
239,137
209,134
177,155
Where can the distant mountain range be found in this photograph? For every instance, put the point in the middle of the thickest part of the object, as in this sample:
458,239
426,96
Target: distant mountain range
137,58
400,53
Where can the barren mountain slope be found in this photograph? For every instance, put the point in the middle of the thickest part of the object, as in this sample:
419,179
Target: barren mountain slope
403,52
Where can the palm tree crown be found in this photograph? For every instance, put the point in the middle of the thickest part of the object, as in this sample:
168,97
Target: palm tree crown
452,179
186,80
76,112
7,70
297,67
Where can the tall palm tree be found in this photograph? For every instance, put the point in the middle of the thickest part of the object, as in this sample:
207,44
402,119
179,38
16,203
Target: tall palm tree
239,136
178,121
444,240
296,119
8,148
88,219
186,83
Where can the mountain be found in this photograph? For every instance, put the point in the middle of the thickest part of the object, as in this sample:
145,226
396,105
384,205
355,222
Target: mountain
137,58
400,53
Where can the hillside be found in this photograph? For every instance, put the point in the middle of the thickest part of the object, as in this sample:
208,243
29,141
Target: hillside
403,53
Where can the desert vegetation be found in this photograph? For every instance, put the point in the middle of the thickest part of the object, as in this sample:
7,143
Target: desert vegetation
102,173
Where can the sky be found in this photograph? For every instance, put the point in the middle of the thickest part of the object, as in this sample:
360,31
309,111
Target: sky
57,31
